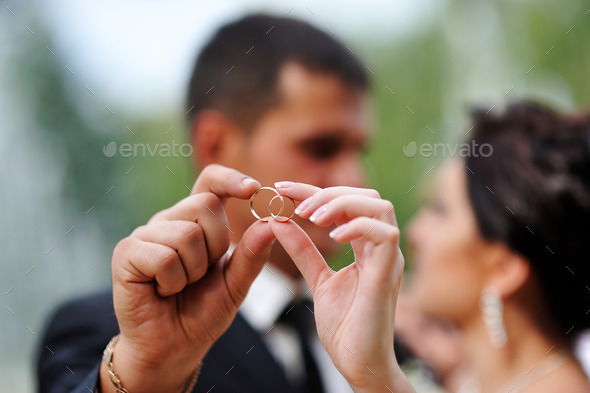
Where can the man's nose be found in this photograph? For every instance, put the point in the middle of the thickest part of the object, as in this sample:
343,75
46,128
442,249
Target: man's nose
348,171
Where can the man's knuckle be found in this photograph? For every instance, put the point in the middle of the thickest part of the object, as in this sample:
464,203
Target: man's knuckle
137,231
192,232
208,199
387,206
392,233
168,259
208,169
159,216
123,246
374,193
212,171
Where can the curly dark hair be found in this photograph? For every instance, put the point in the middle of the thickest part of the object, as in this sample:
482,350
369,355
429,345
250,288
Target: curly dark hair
533,195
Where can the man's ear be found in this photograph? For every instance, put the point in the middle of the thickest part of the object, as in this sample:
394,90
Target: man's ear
214,138
509,271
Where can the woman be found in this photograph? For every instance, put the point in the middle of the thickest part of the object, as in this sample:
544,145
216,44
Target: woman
502,253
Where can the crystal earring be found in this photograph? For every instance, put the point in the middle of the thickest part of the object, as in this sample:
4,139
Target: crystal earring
492,313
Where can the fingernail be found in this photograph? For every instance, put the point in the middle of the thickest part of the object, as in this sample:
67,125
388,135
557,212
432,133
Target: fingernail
338,231
284,184
318,213
248,180
303,205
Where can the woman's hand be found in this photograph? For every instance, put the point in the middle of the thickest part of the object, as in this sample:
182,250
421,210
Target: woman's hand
354,307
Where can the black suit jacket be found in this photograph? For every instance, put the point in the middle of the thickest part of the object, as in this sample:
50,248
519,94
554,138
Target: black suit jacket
70,356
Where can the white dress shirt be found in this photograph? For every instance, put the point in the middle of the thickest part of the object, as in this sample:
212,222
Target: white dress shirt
268,296
582,351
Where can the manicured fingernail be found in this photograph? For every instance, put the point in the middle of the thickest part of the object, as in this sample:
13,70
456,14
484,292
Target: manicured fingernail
248,180
284,184
303,205
338,231
318,213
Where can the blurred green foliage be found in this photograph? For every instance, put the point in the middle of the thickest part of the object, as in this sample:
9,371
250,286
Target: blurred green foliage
473,52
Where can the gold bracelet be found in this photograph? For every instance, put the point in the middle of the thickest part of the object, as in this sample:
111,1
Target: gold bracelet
107,358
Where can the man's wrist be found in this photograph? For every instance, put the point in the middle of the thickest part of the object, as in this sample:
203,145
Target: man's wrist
122,370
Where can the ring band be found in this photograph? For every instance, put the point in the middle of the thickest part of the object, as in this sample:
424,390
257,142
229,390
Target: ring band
252,201
276,217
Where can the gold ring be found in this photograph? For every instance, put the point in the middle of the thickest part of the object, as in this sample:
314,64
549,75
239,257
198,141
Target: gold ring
269,205
278,216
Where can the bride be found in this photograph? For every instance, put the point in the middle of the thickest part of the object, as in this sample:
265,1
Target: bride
502,253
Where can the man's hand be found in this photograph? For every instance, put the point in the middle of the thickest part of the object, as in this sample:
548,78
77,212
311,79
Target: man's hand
175,289
355,307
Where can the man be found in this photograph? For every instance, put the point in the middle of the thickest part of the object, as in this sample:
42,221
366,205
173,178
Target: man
274,99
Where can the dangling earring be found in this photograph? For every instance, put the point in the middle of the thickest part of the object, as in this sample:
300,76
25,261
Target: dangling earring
491,309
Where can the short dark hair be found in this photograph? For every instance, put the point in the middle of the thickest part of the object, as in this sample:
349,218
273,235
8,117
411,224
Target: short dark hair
237,70
539,174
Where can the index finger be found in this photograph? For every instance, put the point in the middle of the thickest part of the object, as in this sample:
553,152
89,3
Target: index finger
225,182
296,191
302,191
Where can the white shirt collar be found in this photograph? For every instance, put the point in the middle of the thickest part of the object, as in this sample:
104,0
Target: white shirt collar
269,295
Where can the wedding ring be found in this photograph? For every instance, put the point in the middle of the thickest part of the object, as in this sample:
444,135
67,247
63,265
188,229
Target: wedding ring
276,216
269,205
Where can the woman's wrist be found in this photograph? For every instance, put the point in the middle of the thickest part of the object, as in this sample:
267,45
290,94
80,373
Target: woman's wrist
394,381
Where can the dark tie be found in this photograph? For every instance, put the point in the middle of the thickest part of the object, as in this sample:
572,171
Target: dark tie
299,316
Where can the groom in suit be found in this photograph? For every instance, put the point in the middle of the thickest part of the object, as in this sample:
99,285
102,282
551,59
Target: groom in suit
275,99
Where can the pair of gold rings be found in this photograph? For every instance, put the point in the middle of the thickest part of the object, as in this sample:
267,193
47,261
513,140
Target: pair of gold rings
276,216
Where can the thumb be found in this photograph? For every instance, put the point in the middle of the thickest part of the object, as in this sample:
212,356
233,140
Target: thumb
247,260
301,249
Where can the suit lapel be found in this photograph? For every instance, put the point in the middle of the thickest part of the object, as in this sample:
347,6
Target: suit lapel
253,362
